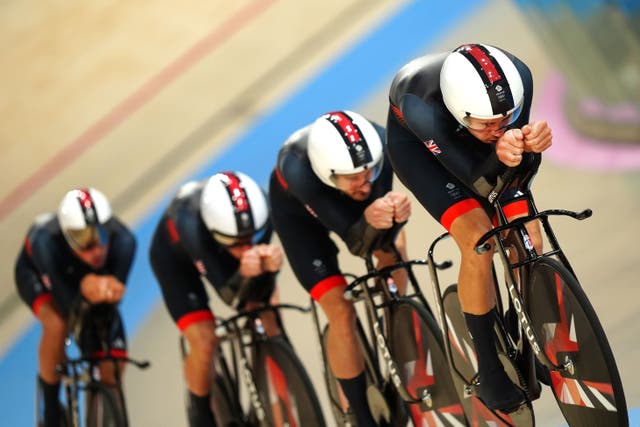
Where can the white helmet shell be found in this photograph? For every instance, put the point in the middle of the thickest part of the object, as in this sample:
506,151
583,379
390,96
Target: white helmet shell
343,142
233,205
82,208
480,81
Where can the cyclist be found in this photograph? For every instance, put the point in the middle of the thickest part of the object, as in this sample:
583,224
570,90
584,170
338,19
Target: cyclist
70,263
331,177
456,121
217,232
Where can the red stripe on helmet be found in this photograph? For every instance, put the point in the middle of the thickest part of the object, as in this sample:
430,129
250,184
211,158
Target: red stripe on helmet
350,131
236,192
88,206
485,61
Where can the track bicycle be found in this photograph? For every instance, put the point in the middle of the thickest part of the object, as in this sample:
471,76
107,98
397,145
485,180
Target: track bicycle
104,404
549,331
405,367
277,390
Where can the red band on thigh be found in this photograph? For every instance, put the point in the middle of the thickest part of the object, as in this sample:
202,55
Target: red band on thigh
515,208
327,284
42,298
194,317
456,210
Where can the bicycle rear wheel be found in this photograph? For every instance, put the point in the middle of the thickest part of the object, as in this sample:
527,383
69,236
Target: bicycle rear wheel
589,391
103,407
285,387
416,346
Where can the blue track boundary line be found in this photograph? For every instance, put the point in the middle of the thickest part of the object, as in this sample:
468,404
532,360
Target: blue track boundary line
366,67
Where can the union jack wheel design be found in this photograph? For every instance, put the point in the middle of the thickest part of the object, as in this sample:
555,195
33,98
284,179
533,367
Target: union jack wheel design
417,348
588,390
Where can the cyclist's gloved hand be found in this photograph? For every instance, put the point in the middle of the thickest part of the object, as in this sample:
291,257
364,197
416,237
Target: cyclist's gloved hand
510,146
98,289
271,256
401,206
537,136
384,211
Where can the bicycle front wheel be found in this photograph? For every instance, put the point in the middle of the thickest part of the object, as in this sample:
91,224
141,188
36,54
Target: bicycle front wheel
285,387
588,390
416,346
103,407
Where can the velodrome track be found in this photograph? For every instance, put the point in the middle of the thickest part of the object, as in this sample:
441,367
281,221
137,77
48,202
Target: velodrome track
228,101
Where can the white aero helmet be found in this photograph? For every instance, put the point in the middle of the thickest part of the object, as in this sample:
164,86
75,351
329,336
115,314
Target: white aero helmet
480,81
81,215
234,209
343,143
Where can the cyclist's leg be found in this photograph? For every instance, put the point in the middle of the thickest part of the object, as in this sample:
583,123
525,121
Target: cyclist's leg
344,353
400,276
197,369
187,302
477,298
51,347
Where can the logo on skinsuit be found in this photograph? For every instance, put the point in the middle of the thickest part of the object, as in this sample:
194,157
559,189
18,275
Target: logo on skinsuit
433,147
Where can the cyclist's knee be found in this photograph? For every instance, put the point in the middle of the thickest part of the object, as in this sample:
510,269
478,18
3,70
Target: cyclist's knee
53,324
202,340
468,228
342,320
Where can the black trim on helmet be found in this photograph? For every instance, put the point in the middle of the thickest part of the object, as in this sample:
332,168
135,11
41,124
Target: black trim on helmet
240,202
492,76
352,136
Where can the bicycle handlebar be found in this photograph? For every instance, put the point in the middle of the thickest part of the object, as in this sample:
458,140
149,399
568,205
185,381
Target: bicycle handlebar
357,280
256,311
62,367
482,246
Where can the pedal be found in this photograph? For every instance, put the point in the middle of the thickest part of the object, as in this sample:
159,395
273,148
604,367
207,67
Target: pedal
378,404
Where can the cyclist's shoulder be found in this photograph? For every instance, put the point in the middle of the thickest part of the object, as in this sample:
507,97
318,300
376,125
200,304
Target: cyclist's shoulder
44,231
418,76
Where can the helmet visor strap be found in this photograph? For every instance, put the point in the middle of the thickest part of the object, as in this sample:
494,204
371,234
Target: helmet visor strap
235,241
505,120
375,173
87,238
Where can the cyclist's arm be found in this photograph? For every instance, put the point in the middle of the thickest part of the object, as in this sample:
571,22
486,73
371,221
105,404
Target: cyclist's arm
47,260
436,129
122,247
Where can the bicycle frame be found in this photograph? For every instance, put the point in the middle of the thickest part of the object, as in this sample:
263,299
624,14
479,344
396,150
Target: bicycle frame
360,289
78,374
513,234
240,337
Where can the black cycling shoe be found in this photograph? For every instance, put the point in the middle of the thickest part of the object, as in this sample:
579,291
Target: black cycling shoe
498,393
542,373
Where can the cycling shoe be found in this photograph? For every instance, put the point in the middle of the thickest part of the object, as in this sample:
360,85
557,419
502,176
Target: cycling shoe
542,373
498,393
